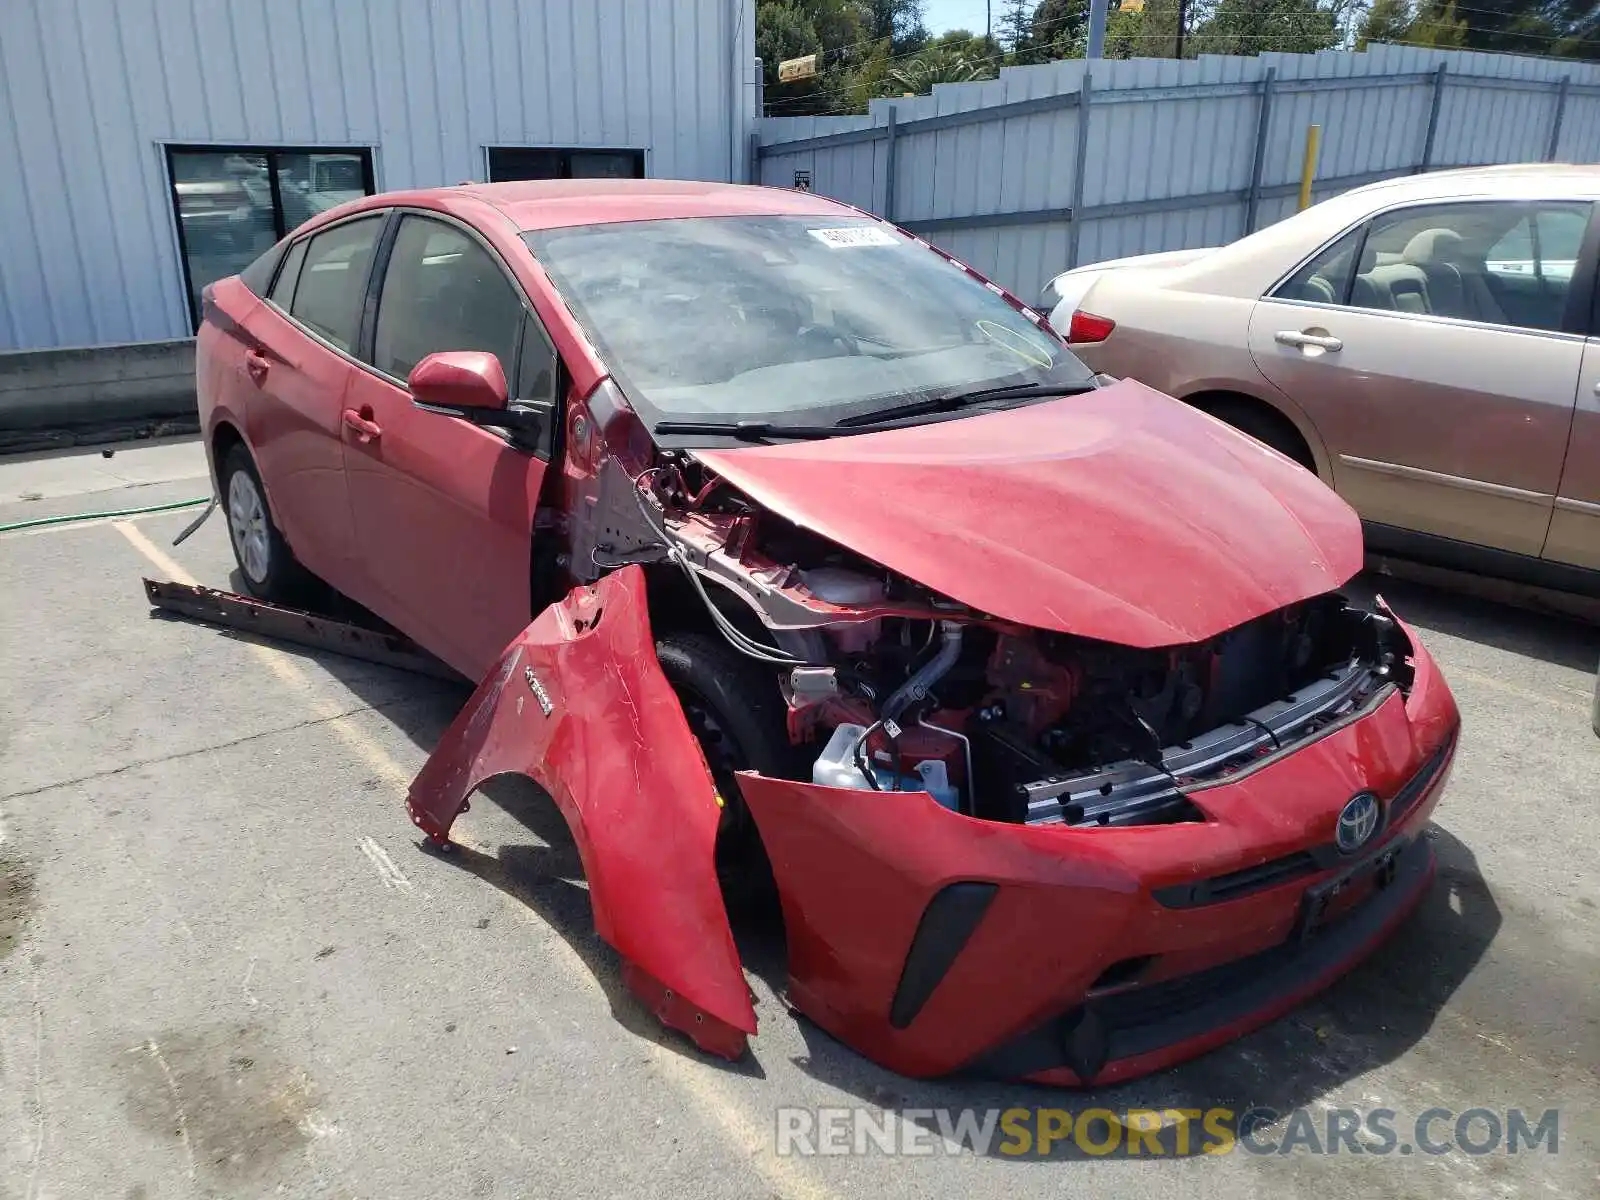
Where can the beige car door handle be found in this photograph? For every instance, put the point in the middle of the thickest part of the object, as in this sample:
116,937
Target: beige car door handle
1293,337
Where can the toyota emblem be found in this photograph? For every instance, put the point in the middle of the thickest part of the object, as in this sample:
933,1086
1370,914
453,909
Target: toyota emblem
1358,821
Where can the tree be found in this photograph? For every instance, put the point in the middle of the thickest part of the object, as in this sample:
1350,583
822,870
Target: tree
834,31
898,20
1386,21
975,47
1580,30
1060,29
1150,31
784,32
1251,26
1564,28
1016,29
936,64
1436,24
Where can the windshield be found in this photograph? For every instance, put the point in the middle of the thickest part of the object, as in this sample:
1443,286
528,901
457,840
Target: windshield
782,317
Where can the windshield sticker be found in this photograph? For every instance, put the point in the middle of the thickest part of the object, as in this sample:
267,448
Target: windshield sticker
854,236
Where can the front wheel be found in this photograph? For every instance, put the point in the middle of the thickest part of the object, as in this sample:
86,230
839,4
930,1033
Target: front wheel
736,713
269,567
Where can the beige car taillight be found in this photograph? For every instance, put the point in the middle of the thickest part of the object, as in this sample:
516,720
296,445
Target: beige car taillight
1086,327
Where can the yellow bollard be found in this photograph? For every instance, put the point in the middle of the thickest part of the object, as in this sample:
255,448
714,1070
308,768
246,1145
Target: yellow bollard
1313,140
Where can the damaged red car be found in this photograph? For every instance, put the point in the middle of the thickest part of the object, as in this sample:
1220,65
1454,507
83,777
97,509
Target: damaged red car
781,541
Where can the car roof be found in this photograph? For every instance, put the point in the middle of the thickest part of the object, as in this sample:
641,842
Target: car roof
549,203
1510,180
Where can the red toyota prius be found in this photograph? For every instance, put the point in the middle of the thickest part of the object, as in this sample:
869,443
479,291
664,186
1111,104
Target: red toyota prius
780,541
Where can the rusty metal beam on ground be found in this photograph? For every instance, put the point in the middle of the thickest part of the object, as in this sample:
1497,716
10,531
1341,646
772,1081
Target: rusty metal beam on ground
247,615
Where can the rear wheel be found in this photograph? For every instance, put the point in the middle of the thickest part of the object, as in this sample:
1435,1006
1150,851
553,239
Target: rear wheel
269,567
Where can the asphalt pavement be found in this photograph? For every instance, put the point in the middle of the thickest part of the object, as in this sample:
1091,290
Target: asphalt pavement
228,967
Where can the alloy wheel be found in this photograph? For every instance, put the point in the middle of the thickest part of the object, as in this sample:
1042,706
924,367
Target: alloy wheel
247,523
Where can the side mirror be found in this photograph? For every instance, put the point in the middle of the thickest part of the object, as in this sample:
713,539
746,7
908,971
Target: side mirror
470,384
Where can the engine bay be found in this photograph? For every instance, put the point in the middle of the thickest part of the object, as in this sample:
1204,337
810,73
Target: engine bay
889,686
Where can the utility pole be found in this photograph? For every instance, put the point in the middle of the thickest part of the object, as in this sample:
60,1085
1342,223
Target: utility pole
988,20
1097,28
1183,19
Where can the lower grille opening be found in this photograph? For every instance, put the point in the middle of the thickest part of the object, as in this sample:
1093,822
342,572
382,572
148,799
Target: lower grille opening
1123,971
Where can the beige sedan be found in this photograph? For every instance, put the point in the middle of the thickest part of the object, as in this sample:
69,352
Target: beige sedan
1430,346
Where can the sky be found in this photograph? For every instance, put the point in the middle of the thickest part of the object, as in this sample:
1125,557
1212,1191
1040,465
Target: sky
958,14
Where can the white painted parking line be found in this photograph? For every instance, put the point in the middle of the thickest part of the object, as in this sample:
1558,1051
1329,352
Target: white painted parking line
180,1114
1570,698
393,877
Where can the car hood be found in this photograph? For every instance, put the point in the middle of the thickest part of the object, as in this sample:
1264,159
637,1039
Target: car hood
1119,514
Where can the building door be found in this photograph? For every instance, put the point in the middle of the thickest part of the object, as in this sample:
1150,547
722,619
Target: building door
233,202
534,162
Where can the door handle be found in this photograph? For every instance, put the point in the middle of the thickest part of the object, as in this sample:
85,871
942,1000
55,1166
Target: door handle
256,363
366,428
1293,337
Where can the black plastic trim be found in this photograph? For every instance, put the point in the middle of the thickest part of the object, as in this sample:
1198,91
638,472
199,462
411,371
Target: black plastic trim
946,926
1239,883
1433,550
1417,786
1583,297
375,274
1145,1019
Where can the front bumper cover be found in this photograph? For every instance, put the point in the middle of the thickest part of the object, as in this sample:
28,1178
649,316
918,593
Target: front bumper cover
1079,956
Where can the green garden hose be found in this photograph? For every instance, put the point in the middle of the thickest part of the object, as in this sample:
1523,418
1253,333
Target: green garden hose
69,518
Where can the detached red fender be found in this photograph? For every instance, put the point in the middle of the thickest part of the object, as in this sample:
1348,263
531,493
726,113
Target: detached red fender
578,703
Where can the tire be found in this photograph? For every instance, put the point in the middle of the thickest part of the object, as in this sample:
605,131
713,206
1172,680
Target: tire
269,568
1267,427
737,714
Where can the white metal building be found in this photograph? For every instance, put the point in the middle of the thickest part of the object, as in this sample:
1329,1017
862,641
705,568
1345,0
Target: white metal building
148,146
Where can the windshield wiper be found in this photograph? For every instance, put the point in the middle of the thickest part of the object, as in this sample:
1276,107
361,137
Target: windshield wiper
756,431
749,431
954,400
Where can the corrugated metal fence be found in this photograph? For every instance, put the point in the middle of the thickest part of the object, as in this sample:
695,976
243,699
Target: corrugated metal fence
1057,165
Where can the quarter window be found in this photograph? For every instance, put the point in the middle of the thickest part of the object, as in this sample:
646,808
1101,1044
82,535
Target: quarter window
282,293
333,281
443,291
1326,278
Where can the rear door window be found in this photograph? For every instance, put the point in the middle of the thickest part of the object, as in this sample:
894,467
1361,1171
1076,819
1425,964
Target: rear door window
1492,262
333,281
